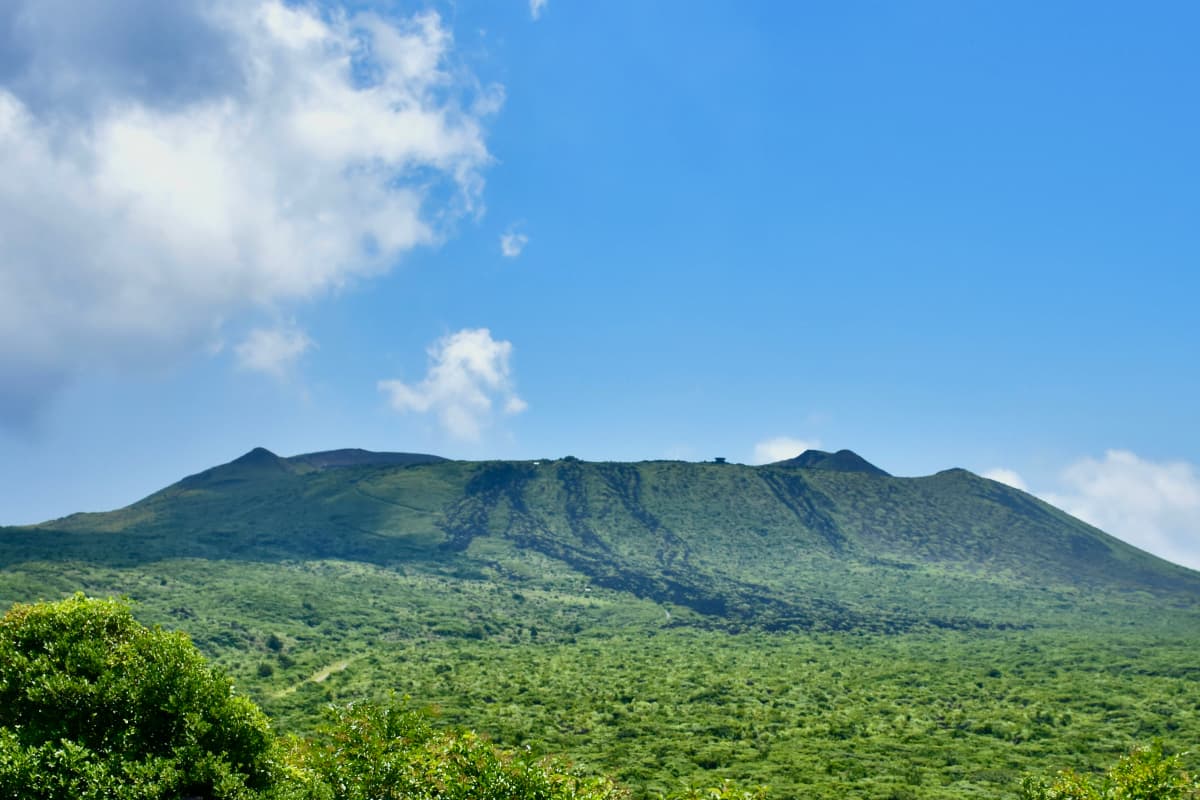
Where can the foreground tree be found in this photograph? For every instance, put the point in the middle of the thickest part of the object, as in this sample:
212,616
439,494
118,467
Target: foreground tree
95,705
1145,774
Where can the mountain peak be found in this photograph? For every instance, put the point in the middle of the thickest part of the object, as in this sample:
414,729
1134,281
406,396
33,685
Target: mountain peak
841,461
259,456
258,463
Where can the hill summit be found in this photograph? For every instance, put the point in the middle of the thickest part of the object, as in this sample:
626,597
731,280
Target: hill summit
356,457
841,461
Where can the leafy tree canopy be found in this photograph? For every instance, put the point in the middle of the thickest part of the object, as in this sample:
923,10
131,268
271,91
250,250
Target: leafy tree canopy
94,704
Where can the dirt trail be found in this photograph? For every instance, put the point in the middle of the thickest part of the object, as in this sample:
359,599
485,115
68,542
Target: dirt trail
320,676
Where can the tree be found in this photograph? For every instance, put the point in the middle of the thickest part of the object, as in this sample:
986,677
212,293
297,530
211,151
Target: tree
95,705
1145,774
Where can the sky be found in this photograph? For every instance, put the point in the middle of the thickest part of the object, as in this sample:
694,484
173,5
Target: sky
940,234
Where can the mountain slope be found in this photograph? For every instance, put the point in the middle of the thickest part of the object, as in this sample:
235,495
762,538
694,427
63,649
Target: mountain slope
819,541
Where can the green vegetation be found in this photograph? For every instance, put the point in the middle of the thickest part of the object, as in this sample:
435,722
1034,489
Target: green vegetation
614,684
827,633
97,706
1145,774
389,752
94,705
733,547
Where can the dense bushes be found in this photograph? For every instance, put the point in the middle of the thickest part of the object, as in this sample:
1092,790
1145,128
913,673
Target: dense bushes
389,751
94,706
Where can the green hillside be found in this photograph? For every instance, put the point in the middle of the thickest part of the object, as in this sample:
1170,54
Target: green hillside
815,624
822,541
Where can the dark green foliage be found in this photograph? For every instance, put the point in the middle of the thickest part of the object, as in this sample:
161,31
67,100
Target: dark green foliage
1145,774
95,705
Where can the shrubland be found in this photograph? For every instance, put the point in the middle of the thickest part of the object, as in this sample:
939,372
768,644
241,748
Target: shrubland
95,705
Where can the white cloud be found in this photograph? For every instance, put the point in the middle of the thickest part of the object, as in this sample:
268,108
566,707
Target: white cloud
272,350
781,448
512,243
468,371
171,166
1007,477
1151,505
536,7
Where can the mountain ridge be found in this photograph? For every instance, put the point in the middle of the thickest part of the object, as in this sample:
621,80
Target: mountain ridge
823,540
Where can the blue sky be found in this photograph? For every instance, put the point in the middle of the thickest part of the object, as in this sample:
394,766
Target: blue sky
938,233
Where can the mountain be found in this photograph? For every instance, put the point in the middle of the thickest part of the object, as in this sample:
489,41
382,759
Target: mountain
820,541
815,624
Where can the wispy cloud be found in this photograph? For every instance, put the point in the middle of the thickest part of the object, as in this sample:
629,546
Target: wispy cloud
1152,505
536,7
781,448
512,243
170,164
272,350
469,373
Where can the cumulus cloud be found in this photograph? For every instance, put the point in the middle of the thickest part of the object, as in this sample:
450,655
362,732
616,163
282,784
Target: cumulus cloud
536,7
781,448
171,166
512,243
1151,505
469,372
1007,477
272,350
